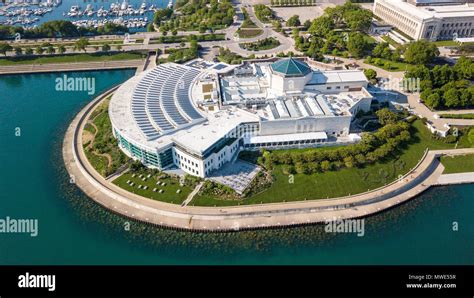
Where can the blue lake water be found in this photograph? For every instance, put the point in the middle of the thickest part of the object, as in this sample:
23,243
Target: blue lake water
74,230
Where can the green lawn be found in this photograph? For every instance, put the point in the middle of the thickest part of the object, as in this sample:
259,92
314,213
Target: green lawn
169,195
70,58
249,33
261,45
394,66
343,182
458,116
458,164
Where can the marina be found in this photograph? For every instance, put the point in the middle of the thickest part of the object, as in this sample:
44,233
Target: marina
133,14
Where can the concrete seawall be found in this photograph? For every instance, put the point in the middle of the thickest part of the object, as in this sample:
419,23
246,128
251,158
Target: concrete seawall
110,196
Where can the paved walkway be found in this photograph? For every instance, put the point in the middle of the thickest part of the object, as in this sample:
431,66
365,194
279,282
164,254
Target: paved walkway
192,194
133,206
458,178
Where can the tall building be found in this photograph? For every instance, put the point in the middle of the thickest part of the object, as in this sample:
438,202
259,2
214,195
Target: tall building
428,19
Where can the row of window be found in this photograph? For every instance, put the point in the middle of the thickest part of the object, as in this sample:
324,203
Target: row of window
337,87
186,163
276,144
457,25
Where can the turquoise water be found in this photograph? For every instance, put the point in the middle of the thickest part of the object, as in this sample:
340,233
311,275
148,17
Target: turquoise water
73,230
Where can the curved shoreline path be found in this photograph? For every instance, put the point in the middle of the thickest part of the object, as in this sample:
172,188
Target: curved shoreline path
116,199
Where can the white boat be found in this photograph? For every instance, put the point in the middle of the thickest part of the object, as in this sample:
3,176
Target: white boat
124,5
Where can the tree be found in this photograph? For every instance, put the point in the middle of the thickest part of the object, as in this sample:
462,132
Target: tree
105,47
433,100
379,49
421,52
18,51
28,51
451,98
370,74
50,50
81,44
322,26
4,48
356,44
464,68
358,20
326,166
61,49
294,21
39,50
386,116
277,25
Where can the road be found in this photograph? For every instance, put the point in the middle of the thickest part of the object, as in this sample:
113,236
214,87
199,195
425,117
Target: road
231,42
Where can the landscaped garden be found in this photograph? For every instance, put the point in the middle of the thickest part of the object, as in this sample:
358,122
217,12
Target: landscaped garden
446,87
261,45
187,38
156,185
292,184
249,32
100,146
195,15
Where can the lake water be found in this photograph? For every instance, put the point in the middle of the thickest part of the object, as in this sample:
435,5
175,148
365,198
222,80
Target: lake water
74,230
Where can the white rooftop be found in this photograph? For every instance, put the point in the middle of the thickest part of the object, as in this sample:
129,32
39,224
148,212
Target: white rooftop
433,11
220,124
337,76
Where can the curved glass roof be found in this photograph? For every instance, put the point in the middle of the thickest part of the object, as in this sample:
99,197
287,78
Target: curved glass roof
291,67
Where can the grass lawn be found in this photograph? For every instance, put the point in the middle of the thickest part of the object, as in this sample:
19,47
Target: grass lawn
343,182
249,33
458,116
394,66
458,164
169,195
70,58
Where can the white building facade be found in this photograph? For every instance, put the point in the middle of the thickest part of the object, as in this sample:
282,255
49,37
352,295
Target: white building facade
431,20
157,120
